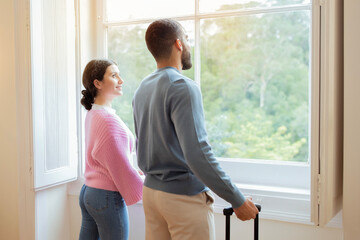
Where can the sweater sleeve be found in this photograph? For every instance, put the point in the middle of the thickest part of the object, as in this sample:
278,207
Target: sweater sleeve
185,103
115,154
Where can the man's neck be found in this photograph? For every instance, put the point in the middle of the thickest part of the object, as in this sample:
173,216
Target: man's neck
169,63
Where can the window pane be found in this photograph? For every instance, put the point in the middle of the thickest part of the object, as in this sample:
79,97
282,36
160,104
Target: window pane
126,45
223,5
255,84
128,10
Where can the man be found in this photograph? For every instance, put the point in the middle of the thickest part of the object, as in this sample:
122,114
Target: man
172,146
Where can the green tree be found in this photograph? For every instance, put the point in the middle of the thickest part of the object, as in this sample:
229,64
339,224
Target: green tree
259,63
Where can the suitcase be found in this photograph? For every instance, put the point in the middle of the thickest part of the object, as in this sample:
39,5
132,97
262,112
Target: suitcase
229,211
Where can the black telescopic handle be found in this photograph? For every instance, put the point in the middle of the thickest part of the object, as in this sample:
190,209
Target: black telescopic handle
256,223
229,211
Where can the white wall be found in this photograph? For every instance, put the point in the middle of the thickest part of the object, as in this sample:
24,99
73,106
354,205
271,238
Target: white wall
52,214
275,230
351,197
9,214
269,230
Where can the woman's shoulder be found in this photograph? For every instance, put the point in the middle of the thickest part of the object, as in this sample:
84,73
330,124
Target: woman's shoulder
101,115
102,119
108,122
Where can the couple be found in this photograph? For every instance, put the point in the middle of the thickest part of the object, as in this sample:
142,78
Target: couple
171,144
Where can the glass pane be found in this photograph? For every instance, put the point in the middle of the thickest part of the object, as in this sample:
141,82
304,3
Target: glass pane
127,10
223,5
126,45
255,84
56,94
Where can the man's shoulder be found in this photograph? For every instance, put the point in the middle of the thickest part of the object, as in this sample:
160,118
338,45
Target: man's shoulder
174,75
167,82
186,84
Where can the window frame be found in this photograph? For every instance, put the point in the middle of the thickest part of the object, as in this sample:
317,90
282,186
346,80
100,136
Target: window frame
281,199
43,177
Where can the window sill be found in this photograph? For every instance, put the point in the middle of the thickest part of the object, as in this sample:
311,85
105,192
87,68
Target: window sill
278,203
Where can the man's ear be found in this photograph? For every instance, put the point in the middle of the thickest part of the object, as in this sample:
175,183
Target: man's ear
97,84
178,44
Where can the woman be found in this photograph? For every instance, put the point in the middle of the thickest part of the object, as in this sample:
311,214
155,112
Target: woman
111,182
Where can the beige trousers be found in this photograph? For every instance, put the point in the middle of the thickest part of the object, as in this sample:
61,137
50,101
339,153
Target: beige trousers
178,217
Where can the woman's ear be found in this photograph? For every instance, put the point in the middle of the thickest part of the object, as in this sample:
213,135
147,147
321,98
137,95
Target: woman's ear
97,84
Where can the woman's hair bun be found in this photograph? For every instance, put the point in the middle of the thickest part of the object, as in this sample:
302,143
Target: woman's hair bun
87,100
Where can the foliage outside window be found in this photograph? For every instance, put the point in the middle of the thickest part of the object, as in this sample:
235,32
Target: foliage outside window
254,74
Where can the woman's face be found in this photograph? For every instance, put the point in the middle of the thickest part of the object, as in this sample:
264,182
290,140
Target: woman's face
111,85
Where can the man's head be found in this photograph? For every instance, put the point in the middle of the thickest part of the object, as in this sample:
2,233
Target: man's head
161,36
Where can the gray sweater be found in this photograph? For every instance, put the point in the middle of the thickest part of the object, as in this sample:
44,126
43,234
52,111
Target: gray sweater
172,145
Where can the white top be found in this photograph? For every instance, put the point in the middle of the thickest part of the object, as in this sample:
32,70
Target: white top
99,107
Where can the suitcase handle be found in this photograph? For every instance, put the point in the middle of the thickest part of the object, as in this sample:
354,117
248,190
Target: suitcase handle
229,211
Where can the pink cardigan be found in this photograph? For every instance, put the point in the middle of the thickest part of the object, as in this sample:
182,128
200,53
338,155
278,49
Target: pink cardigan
108,147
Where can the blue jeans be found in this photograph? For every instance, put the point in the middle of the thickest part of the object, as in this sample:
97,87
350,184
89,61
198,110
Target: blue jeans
104,215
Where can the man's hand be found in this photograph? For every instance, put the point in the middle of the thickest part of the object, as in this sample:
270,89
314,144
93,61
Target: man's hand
246,211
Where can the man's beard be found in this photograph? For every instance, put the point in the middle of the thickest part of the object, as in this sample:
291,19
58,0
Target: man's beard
186,59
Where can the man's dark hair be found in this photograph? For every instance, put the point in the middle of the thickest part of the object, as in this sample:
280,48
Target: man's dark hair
161,35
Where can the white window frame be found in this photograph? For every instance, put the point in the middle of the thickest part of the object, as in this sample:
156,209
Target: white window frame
285,197
44,177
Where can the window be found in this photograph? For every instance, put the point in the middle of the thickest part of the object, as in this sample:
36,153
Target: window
254,78
253,60
54,86
253,68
